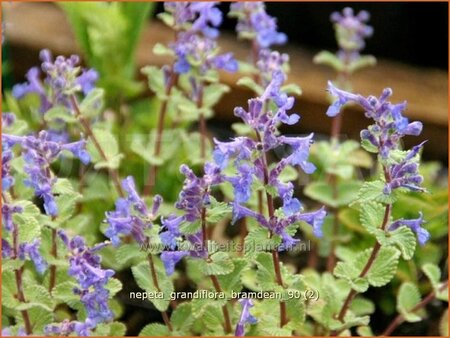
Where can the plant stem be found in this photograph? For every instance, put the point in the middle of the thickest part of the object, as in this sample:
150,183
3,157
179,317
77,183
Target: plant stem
87,129
18,275
214,280
54,253
153,170
400,319
275,256
371,260
151,263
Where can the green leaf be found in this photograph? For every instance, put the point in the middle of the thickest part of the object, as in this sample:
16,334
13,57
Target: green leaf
403,238
9,290
219,264
350,273
113,286
213,93
28,227
371,216
181,317
127,253
110,148
242,129
433,273
291,89
258,240
408,297
322,191
217,211
93,104
160,49
143,277
63,186
155,77
232,281
384,267
329,59
361,62
361,306
155,330
114,329
265,274
167,18
66,206
250,84
64,293
373,191
59,113
190,228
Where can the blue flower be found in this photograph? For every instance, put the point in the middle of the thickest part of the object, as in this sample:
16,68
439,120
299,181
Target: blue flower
171,258
300,154
245,318
415,225
171,225
32,250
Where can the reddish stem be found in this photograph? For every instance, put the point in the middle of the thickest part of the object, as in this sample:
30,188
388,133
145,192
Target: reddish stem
153,170
400,319
87,129
54,253
275,256
18,276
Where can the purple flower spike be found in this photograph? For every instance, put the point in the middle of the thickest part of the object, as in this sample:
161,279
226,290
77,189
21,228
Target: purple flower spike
246,317
39,152
171,258
415,225
254,22
351,29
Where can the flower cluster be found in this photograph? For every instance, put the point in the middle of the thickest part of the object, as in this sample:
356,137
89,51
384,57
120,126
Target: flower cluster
86,269
401,169
254,23
196,46
250,160
63,76
39,152
131,216
351,30
390,125
193,200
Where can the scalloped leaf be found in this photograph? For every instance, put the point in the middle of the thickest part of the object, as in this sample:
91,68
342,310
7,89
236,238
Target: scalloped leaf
407,298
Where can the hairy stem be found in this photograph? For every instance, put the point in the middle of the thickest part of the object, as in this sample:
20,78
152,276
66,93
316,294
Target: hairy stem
214,280
18,275
88,130
400,319
151,263
365,270
275,256
153,170
54,253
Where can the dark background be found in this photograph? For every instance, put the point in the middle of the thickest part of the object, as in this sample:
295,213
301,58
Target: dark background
414,33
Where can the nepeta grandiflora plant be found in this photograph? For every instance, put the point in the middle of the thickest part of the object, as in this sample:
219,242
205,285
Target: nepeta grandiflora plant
63,258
